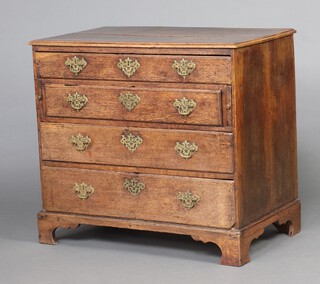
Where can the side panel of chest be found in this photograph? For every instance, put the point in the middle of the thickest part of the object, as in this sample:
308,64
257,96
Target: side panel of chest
265,128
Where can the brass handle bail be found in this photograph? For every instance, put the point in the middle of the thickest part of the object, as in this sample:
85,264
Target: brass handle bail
82,190
184,106
188,199
75,64
186,149
184,67
80,142
77,101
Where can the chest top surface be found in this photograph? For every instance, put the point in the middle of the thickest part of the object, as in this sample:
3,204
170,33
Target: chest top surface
166,37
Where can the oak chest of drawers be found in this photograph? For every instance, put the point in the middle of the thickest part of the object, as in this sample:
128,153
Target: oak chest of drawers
180,130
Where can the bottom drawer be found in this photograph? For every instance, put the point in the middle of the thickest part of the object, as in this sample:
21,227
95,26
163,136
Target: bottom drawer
193,201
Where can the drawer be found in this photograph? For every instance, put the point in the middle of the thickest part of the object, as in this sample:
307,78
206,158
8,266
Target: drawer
134,67
193,201
139,147
138,102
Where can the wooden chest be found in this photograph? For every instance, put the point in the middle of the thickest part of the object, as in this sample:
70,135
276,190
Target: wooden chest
180,130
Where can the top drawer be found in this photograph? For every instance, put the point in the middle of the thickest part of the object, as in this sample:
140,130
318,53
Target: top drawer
134,67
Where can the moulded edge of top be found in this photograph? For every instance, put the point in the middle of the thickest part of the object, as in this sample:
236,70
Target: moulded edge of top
70,43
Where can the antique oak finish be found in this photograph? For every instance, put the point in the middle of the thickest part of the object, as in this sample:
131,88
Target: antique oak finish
179,130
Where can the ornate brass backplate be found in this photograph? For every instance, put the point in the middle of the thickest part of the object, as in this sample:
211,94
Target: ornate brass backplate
80,142
133,186
186,149
75,64
188,199
184,106
77,101
83,191
184,67
128,66
129,100
130,141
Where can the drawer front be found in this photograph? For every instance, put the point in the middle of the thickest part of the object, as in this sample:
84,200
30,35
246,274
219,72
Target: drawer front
137,102
155,148
159,68
203,202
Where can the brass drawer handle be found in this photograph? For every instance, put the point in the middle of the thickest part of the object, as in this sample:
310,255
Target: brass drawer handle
77,101
83,191
75,64
184,106
128,66
186,149
133,186
129,100
188,199
184,67
80,142
130,141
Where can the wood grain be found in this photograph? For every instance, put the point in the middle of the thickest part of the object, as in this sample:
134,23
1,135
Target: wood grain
141,124
133,50
132,169
157,201
156,151
245,169
235,247
154,68
234,244
173,37
156,102
265,128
